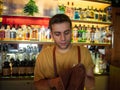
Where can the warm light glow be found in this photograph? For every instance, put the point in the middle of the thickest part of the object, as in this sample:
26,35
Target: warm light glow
84,4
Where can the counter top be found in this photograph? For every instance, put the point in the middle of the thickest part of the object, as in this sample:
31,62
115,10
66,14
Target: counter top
16,77
31,77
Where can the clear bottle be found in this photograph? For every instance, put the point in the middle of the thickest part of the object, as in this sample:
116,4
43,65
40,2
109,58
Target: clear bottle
20,34
91,13
26,33
75,34
88,13
88,33
7,33
13,33
92,34
97,34
42,33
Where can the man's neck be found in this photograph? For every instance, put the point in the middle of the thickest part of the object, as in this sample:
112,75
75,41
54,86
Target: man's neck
63,50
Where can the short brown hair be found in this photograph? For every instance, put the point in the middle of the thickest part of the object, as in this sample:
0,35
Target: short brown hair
59,18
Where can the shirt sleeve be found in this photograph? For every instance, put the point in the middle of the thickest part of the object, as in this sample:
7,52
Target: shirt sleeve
88,62
38,68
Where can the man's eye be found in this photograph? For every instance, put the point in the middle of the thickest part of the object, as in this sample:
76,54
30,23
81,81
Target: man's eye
66,32
57,33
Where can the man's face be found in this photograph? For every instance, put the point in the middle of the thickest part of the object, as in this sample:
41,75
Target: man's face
62,34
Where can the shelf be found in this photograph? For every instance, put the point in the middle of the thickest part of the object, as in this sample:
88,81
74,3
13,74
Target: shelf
92,44
99,1
49,43
92,22
25,41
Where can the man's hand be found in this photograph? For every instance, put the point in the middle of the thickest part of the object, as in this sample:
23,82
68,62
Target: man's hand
57,83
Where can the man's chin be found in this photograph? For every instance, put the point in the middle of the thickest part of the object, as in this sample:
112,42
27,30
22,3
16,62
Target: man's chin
63,46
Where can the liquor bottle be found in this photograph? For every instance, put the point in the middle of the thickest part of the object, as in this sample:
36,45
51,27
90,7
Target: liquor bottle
34,34
22,68
68,9
20,34
13,33
91,13
97,34
92,34
100,15
88,33
48,35
26,32
96,14
76,13
15,67
7,33
80,33
41,34
104,18
87,13
6,68
84,33
75,34
2,32
29,68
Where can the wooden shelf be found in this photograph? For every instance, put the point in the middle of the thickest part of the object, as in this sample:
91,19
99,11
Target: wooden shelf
92,22
99,1
48,42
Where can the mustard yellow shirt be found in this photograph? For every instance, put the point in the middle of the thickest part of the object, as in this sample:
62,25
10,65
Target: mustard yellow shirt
44,67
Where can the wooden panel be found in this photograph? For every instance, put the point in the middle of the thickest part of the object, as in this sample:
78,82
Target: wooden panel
116,40
114,78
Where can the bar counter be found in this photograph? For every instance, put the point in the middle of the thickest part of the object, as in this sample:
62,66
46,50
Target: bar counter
26,82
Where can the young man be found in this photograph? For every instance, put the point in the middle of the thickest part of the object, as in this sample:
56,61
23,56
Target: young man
63,57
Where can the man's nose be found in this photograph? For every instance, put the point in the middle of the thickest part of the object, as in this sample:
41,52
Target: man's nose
62,37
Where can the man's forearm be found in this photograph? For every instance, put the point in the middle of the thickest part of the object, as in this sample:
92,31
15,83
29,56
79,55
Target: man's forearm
90,82
42,85
47,84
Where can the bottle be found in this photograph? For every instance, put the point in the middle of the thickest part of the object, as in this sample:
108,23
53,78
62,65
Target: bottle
7,33
42,34
92,34
26,32
76,13
91,13
22,68
20,34
100,15
48,36
68,9
75,33
96,14
2,33
104,18
6,69
34,34
97,69
87,13
13,33
84,33
80,33
97,34
88,33
15,67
